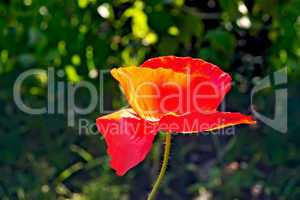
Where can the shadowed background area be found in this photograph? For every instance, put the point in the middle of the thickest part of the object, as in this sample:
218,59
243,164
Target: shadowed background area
41,157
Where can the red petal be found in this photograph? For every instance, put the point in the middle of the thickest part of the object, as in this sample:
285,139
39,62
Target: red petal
219,78
128,138
198,122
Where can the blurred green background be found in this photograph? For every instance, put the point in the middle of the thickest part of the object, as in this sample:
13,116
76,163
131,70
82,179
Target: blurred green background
42,158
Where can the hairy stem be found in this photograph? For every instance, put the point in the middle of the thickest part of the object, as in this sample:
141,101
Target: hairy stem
162,172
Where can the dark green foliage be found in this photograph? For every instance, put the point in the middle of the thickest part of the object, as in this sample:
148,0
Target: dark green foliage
42,158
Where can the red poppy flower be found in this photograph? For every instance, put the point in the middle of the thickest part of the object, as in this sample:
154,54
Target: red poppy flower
172,94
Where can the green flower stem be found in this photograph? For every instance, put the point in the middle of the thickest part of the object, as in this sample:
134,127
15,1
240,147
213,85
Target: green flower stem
162,172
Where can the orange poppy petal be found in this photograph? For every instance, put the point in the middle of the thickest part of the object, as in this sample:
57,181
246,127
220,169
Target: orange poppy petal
219,78
153,93
198,122
128,138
